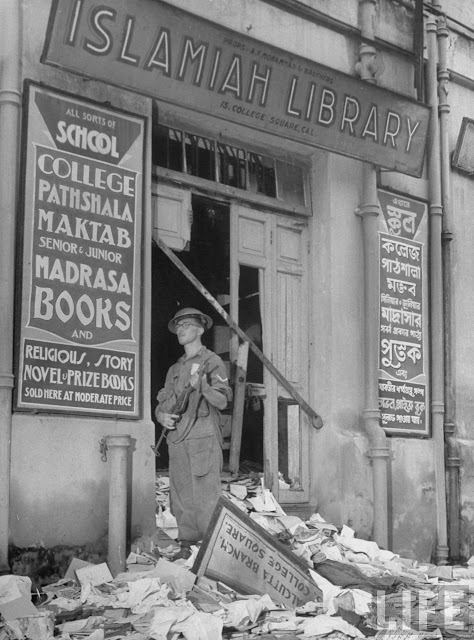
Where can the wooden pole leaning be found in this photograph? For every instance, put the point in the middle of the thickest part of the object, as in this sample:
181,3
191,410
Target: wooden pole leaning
316,419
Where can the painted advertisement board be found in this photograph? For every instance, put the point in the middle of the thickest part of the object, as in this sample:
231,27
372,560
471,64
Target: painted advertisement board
78,347
161,51
403,346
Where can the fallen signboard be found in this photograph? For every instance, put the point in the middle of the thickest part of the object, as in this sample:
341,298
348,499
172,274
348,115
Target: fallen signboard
240,553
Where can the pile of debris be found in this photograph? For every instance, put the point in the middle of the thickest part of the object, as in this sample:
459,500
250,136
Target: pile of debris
365,591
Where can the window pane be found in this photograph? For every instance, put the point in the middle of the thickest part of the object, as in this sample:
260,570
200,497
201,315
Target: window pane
262,175
167,148
199,156
290,179
231,166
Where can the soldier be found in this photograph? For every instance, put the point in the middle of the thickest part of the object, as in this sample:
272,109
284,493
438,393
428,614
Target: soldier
196,389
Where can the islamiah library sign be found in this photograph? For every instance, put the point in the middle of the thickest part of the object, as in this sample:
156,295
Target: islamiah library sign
161,51
79,322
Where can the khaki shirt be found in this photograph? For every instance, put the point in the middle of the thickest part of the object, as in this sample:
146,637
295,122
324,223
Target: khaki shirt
202,416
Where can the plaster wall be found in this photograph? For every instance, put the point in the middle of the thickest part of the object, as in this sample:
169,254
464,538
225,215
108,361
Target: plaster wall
282,29
460,53
340,477
462,287
59,485
396,23
341,472
394,20
412,492
346,11
305,38
460,11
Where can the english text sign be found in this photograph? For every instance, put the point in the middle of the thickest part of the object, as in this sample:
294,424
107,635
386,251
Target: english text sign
154,48
81,267
240,553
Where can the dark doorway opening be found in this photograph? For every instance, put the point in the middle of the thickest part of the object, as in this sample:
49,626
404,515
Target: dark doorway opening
207,256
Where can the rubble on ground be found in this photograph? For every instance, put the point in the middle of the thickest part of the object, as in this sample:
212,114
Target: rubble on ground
366,591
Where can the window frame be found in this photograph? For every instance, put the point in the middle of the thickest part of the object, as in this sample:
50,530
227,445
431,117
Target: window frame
215,186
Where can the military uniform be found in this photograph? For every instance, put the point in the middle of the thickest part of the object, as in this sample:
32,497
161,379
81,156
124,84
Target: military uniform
195,446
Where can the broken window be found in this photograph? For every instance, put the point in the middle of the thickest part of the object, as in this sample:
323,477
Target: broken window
262,176
168,148
199,156
232,165
218,161
290,183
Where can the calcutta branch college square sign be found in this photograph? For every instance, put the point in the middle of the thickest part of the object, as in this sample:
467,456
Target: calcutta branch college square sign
79,324
162,51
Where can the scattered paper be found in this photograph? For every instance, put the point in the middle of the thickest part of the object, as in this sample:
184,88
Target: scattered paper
324,624
330,592
163,600
37,627
200,626
176,576
347,539
244,612
94,575
238,490
18,608
13,587
75,564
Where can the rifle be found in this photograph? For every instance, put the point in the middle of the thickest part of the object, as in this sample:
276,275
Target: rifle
179,408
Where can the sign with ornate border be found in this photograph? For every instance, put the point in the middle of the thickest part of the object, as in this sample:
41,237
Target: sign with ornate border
79,330
403,350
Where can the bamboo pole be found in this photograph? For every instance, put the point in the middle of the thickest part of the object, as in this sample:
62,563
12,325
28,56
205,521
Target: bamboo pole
316,420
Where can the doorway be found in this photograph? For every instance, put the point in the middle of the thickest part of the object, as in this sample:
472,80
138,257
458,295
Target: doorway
271,252
208,256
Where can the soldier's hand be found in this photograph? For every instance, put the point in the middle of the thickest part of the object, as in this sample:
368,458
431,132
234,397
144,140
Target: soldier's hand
168,420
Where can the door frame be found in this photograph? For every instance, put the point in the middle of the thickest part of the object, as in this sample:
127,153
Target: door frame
263,246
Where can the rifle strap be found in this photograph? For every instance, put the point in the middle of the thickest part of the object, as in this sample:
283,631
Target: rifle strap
194,401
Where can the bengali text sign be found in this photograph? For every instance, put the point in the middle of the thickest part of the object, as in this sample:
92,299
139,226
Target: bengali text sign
403,354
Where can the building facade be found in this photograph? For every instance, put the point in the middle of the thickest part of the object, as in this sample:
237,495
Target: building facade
310,167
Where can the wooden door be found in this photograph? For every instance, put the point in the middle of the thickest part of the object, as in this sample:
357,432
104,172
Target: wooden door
278,247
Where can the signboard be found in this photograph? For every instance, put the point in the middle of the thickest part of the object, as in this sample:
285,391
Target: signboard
79,335
403,351
154,48
240,553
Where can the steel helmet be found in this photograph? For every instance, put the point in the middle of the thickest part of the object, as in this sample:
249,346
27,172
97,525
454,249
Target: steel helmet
190,312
